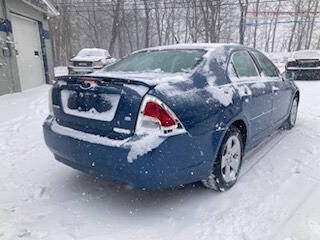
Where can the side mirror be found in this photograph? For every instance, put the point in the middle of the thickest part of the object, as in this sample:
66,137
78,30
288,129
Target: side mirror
288,76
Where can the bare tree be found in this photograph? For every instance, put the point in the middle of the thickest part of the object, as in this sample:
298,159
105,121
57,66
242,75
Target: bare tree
297,10
243,16
275,26
147,23
256,24
311,28
115,26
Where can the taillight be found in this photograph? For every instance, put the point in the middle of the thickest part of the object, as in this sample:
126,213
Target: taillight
156,116
292,64
98,64
157,112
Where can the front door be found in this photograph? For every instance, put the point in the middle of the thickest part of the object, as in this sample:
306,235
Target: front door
281,90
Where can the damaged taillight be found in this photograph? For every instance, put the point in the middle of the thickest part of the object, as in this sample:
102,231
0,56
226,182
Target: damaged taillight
156,116
158,113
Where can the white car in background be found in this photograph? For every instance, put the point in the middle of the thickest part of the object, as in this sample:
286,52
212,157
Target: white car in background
304,65
89,60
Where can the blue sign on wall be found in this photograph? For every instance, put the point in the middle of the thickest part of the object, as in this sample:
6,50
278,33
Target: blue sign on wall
5,25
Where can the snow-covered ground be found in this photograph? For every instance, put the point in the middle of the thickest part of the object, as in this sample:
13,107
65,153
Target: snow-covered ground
277,196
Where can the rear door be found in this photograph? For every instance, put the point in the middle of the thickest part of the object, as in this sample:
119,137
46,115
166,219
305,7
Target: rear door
281,89
255,94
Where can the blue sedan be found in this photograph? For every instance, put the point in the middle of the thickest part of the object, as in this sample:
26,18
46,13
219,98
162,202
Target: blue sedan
167,116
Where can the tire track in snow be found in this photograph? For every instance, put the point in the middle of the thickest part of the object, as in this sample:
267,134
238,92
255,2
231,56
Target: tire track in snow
294,211
250,160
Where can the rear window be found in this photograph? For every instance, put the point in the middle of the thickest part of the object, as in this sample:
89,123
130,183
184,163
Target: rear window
244,65
91,53
167,61
306,54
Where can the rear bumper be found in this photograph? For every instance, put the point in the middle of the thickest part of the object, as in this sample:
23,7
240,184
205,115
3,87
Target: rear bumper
177,160
305,73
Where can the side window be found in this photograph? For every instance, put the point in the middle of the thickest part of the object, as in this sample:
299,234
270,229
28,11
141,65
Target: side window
268,68
244,65
232,72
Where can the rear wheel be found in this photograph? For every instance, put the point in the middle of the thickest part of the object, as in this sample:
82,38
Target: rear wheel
291,121
227,166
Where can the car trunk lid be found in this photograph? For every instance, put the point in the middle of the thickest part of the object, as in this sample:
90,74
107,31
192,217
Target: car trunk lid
98,105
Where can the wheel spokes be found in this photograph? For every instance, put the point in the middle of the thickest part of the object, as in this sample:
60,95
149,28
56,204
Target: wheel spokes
230,160
227,173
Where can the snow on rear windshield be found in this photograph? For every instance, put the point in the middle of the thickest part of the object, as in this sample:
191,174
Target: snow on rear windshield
167,61
306,54
91,53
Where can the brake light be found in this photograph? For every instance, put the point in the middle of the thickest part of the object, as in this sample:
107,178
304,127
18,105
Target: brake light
157,112
98,64
292,64
155,116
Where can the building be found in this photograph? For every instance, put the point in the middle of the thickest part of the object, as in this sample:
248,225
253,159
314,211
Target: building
25,47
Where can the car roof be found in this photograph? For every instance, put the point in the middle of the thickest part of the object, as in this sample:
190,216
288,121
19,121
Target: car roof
189,46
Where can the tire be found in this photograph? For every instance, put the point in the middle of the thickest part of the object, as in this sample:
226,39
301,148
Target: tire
227,166
291,121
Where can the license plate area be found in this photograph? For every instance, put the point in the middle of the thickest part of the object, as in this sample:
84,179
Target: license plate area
90,105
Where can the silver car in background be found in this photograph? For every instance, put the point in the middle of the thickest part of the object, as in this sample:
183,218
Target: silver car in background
90,59
304,65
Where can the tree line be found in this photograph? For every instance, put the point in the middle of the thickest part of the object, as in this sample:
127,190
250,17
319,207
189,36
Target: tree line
122,26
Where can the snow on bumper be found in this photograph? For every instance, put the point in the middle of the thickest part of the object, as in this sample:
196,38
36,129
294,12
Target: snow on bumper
167,163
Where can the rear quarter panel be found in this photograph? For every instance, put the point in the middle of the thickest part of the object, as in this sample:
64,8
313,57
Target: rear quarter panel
206,101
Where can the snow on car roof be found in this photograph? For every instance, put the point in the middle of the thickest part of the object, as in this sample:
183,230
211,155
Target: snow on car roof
95,50
306,54
189,46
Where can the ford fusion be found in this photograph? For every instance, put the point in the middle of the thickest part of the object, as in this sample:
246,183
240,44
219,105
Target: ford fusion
168,116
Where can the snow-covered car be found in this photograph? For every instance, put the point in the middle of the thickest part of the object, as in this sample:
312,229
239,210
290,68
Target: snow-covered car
304,65
90,59
172,115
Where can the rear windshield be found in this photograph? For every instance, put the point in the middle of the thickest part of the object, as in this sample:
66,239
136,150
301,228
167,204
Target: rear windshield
167,61
91,53
306,54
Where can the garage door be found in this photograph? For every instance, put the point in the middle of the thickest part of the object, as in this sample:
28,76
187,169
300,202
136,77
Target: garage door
27,41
